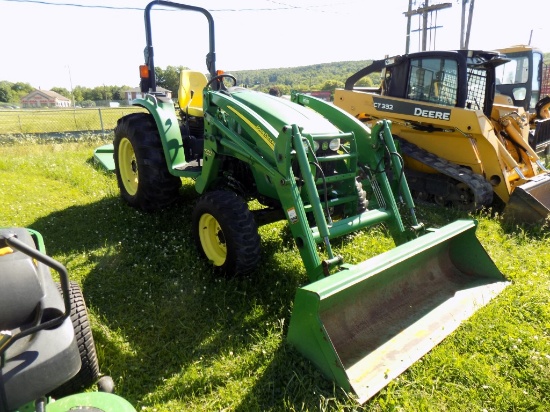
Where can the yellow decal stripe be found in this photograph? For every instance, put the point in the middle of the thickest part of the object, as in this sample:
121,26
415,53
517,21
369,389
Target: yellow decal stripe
257,128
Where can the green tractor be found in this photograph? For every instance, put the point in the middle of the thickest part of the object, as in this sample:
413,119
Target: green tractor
327,174
47,351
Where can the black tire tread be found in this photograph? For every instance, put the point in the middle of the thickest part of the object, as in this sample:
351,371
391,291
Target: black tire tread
157,188
239,228
89,371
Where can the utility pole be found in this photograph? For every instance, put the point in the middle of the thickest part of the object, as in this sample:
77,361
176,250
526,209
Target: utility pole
425,10
71,83
408,14
465,30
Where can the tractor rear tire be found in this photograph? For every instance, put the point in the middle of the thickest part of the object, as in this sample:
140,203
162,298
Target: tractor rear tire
140,166
226,233
89,371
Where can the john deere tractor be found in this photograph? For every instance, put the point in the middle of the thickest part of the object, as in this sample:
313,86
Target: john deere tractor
327,175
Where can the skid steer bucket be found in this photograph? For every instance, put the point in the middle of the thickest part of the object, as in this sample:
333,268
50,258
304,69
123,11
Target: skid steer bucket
366,324
530,202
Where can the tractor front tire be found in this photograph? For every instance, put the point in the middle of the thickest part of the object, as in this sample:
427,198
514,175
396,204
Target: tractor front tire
142,173
226,233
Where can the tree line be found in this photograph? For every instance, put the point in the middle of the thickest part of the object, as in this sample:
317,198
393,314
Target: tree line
325,77
82,96
316,77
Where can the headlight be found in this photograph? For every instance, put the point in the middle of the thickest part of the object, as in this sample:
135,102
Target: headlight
315,145
334,144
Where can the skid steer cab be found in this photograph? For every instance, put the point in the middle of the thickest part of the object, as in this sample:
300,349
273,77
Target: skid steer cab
524,81
327,175
46,325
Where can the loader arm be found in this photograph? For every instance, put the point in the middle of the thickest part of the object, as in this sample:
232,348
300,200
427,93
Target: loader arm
258,143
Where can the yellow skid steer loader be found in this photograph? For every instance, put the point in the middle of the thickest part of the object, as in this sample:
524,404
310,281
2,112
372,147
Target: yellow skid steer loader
462,147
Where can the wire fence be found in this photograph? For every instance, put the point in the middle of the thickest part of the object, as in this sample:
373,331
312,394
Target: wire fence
62,121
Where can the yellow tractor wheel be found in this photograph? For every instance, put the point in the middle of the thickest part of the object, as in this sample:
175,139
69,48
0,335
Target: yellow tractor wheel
212,239
226,233
128,166
140,165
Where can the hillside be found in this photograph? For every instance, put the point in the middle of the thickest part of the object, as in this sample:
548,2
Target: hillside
323,76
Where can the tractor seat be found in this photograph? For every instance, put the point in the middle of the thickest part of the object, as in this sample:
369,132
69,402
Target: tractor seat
190,92
22,285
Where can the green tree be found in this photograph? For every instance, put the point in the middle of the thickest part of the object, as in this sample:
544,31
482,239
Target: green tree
169,78
5,92
366,82
20,90
62,91
118,92
331,85
77,94
82,93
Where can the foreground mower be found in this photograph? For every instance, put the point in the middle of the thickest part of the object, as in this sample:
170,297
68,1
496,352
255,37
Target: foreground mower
47,353
327,175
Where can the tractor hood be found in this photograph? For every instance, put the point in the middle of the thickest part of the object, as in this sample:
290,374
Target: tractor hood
280,112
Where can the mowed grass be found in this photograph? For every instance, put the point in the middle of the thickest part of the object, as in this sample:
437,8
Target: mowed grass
177,338
61,120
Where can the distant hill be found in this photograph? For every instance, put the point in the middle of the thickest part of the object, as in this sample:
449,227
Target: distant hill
323,76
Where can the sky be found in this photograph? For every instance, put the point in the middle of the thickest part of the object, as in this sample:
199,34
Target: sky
90,43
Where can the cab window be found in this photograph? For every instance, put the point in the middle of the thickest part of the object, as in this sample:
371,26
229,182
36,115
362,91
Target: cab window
433,80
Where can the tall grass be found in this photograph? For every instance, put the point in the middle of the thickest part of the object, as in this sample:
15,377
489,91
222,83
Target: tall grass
177,338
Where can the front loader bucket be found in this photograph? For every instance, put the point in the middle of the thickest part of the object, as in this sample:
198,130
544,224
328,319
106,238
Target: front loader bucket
530,202
104,157
365,325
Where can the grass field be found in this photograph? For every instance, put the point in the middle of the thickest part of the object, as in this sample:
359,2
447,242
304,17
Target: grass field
61,120
177,338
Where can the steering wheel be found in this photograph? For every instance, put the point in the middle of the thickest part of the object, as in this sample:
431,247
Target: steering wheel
220,77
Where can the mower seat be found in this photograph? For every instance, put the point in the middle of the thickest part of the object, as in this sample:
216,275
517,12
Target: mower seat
190,92
22,286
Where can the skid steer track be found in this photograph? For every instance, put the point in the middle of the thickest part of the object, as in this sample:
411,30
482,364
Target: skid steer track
478,194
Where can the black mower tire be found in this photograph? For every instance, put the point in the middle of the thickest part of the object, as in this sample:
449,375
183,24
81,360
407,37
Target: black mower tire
223,216
89,371
142,173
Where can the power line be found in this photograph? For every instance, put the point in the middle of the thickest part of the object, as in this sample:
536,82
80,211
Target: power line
74,5
91,6
282,6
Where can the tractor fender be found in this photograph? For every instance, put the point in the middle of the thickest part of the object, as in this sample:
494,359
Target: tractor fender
164,113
